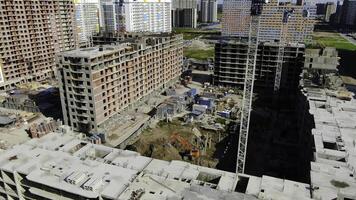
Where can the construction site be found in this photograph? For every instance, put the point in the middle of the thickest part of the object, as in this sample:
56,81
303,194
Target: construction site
29,111
188,124
250,99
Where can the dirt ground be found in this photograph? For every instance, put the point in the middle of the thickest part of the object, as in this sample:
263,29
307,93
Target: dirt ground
157,143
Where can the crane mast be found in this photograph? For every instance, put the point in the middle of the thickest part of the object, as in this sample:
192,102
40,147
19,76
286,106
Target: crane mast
256,10
281,47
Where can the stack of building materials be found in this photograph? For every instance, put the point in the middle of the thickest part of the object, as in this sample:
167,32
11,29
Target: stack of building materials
47,126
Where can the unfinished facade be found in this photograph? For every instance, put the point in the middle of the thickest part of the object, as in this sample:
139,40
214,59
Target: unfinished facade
96,83
236,20
321,59
31,33
230,63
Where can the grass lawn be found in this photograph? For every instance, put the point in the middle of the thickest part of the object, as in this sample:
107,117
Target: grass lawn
190,33
199,54
329,39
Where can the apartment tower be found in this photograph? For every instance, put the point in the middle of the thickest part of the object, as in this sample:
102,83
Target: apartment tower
136,16
31,33
348,16
230,63
97,83
236,20
208,11
184,13
87,20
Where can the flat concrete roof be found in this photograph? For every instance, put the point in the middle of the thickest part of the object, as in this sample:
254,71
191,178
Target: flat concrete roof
334,170
92,52
66,162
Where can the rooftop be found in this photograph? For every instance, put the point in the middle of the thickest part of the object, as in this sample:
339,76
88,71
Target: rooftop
333,171
67,163
97,51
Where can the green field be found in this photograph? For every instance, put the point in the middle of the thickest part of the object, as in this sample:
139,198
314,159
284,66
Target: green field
190,33
199,54
329,39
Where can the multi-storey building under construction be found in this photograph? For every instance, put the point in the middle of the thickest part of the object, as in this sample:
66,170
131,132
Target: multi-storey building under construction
96,83
31,33
236,20
231,56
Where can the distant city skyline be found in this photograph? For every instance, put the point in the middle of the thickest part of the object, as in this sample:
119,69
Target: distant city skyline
316,1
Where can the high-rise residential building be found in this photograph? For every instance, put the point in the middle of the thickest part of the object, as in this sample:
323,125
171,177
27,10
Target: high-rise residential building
136,16
230,63
236,20
330,9
208,11
31,33
184,13
335,19
87,20
97,83
325,10
348,16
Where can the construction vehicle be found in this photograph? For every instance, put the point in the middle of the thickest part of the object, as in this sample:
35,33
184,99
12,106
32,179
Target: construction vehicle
188,149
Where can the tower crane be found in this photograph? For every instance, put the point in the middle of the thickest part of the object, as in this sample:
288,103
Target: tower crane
287,14
256,11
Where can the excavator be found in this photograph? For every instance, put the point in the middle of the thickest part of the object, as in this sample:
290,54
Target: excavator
189,150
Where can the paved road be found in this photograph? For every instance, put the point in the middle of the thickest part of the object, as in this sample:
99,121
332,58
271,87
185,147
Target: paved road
350,39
